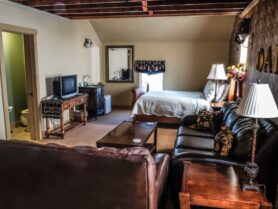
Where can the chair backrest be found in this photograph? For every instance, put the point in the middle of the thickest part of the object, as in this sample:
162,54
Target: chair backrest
39,176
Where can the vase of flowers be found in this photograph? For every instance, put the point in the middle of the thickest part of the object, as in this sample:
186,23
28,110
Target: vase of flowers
237,72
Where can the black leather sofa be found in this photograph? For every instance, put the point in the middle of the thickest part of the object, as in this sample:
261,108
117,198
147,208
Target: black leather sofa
195,145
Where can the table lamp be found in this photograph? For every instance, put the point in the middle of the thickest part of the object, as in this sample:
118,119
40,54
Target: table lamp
258,103
217,73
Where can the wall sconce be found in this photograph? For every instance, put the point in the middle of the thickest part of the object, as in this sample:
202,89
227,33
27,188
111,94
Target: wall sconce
88,43
243,31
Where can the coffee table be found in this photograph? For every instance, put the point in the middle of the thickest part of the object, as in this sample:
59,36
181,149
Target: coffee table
217,186
124,134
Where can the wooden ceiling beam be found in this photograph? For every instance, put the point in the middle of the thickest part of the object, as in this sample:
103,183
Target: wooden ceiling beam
86,9
136,7
249,8
144,5
120,13
91,6
225,13
47,3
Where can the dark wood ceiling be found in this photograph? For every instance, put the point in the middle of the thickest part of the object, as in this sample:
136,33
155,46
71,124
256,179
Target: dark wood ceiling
90,9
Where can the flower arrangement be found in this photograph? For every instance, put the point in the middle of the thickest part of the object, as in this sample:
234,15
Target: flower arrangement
237,72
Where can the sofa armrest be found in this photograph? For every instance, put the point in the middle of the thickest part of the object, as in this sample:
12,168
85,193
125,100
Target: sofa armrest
189,120
162,168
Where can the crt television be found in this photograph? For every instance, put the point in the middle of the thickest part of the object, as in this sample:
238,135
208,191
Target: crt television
65,86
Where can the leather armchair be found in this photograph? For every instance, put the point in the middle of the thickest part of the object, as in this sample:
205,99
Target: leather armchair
194,145
50,176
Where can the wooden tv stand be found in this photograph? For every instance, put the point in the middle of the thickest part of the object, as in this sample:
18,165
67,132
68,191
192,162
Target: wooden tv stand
55,108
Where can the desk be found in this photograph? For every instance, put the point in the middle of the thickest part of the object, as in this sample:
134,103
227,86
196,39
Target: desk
217,186
55,109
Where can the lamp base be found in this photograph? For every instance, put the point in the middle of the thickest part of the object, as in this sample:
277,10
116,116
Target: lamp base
250,185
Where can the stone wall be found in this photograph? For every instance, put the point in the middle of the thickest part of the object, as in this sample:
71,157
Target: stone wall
264,33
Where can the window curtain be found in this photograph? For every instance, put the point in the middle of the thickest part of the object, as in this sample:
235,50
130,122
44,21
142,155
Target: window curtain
150,67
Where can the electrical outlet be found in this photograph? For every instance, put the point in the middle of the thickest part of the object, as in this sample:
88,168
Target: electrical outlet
10,108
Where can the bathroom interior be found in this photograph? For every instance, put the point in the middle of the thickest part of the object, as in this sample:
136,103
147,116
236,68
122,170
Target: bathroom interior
15,70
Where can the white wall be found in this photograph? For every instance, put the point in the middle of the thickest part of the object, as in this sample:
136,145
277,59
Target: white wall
59,41
187,65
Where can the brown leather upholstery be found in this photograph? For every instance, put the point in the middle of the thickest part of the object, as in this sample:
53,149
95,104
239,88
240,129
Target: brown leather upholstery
42,177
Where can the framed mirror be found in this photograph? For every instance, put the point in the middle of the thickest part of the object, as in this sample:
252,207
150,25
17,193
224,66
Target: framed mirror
119,64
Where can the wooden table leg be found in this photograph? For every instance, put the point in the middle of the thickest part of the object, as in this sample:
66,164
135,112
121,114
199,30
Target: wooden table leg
62,126
184,201
47,127
85,110
155,138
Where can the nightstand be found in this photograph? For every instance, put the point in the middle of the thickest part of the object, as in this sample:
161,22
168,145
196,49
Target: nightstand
216,106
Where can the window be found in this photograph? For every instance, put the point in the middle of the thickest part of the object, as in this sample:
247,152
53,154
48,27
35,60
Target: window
244,51
155,81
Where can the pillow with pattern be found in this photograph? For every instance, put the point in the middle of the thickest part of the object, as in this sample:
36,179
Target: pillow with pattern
208,121
223,141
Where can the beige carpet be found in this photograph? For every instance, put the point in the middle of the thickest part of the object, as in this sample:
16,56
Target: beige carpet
96,129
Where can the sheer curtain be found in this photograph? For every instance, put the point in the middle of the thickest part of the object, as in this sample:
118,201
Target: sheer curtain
155,81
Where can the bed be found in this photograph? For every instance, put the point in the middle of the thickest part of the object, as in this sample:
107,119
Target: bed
169,106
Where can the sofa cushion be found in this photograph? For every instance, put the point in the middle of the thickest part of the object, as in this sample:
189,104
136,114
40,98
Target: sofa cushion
185,131
243,133
223,141
194,142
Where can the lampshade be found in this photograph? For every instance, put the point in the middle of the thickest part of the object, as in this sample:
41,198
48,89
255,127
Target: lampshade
258,103
217,72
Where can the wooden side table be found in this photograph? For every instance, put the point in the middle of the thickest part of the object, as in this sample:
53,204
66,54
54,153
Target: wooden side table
56,108
217,186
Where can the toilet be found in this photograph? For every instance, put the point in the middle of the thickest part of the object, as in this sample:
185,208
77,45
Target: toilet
24,118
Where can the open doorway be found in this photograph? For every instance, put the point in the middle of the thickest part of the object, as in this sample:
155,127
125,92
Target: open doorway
15,69
19,86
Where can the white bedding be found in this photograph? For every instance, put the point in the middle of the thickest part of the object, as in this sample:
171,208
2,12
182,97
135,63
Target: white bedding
170,103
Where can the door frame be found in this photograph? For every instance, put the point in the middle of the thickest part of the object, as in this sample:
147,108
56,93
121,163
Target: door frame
32,78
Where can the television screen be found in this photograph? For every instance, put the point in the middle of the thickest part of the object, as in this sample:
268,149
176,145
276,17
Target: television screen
68,85
65,86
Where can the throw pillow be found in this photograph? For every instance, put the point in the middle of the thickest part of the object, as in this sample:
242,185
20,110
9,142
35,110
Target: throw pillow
223,141
208,121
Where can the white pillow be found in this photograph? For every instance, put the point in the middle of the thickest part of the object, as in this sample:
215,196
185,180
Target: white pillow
223,91
209,90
